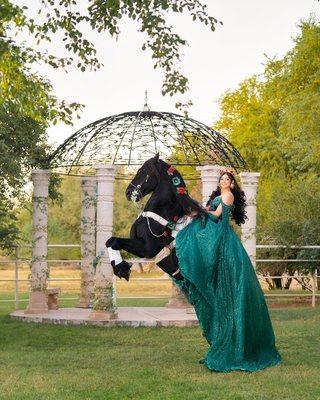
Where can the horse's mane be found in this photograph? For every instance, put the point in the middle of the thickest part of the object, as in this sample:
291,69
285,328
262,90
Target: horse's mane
171,175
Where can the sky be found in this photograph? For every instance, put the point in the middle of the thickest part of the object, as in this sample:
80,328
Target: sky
214,61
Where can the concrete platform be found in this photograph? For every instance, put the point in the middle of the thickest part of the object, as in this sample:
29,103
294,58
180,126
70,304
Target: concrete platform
127,316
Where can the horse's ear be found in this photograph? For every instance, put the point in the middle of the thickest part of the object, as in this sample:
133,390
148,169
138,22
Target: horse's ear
156,157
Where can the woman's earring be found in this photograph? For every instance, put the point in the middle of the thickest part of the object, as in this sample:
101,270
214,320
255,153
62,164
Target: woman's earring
232,185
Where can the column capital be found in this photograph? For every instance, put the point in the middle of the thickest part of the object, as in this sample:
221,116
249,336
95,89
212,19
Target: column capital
249,178
40,179
103,170
38,175
209,178
208,170
40,172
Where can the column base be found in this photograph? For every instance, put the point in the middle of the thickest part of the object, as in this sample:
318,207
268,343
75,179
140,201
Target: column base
178,298
83,303
38,303
97,315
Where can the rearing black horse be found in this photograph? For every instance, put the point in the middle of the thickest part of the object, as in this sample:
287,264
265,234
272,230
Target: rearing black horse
153,229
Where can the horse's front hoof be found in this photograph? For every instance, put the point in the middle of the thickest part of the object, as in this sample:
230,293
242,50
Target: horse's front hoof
124,270
126,275
115,269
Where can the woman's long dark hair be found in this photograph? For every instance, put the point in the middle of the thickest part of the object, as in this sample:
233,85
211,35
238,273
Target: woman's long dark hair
239,213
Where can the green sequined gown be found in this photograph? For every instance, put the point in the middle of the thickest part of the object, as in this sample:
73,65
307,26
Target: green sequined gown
221,283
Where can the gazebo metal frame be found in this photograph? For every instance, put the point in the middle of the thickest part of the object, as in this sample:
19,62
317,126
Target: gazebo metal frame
131,138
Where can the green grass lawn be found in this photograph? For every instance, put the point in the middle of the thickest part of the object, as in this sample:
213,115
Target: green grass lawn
64,362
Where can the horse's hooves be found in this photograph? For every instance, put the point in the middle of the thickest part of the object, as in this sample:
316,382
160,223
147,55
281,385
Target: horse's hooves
126,275
124,270
116,269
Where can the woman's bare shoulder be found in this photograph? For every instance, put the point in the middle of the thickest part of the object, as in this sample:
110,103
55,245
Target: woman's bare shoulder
227,198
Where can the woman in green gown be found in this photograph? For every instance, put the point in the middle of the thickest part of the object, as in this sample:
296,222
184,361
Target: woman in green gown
221,283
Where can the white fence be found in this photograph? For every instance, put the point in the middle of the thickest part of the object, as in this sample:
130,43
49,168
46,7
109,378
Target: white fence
17,260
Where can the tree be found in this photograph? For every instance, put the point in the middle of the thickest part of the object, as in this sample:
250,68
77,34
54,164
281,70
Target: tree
27,107
274,121
23,92
104,16
16,151
288,214
274,118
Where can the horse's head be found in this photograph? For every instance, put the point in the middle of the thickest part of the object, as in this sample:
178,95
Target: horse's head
145,181
151,174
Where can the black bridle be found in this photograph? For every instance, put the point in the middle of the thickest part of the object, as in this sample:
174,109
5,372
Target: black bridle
136,191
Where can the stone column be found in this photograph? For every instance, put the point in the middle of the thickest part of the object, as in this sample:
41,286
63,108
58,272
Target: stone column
210,179
249,181
39,266
104,306
178,299
88,239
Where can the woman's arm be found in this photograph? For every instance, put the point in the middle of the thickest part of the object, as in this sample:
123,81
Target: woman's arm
227,199
217,212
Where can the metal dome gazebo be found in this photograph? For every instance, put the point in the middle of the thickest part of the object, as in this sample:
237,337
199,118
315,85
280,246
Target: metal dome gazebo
126,139
133,137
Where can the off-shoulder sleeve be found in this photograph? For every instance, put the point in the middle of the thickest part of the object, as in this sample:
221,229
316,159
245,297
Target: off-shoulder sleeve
226,211
213,205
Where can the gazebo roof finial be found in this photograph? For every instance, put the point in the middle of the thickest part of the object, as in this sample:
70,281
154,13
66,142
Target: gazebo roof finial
146,107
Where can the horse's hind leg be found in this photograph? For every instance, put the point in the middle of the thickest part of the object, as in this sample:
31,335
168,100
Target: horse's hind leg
170,265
